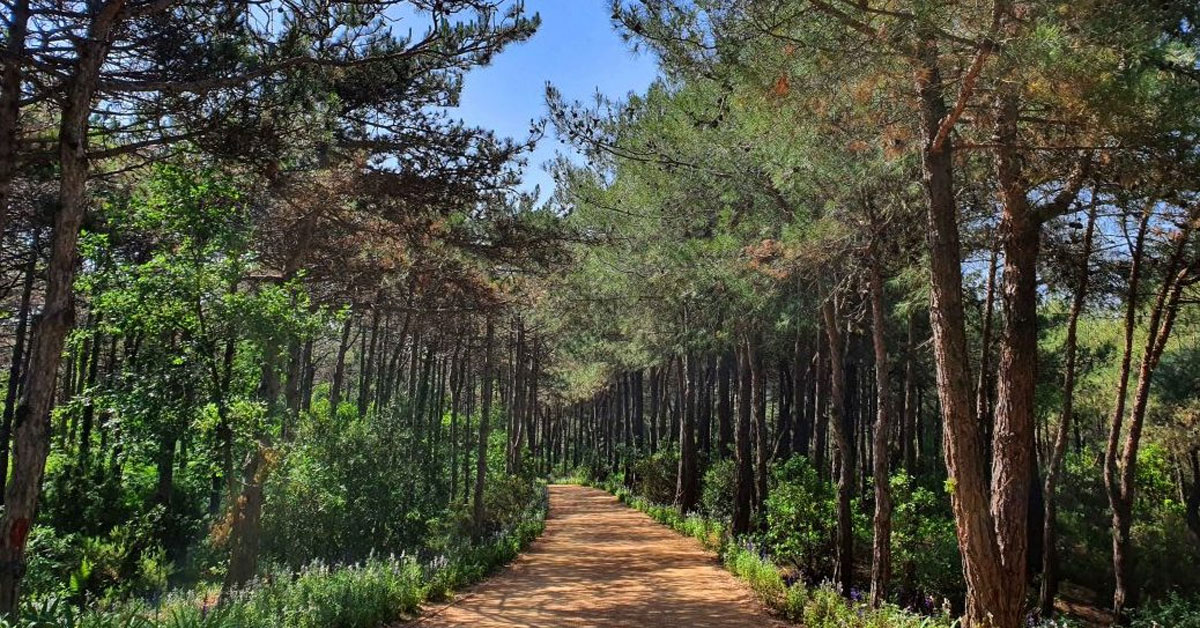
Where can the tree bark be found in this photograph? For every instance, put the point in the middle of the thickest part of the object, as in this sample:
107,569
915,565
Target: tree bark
485,403
1049,588
881,564
32,418
367,361
989,600
762,446
1120,474
845,446
10,102
801,419
15,367
908,433
1012,442
744,483
687,486
725,405
339,369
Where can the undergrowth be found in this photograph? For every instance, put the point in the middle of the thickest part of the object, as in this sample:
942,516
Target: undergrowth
364,595
815,607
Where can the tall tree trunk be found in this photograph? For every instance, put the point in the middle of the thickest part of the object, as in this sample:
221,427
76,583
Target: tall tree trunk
485,403
687,485
983,386
762,446
308,377
1049,587
783,418
838,421
11,80
1120,472
725,405
32,418
246,515
456,377
821,405
15,367
89,405
339,369
706,369
990,596
801,419
639,419
881,564
367,361
1013,443
908,432
744,484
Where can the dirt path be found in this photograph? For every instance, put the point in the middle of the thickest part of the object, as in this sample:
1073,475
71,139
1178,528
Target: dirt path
601,563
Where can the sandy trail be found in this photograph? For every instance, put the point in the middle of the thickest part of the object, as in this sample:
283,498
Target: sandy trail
600,563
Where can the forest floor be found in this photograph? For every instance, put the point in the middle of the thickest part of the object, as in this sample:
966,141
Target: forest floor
600,563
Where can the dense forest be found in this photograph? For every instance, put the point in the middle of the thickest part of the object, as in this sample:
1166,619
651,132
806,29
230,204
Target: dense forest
891,303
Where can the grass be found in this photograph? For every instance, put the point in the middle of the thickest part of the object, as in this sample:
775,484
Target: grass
369,594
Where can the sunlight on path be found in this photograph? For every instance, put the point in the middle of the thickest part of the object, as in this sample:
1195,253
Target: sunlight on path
600,563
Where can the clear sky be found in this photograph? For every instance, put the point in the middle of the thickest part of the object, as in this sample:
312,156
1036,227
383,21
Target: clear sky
577,50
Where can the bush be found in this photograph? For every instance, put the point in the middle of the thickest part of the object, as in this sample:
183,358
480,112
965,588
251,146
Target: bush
800,515
340,495
364,595
924,542
1173,611
656,476
716,489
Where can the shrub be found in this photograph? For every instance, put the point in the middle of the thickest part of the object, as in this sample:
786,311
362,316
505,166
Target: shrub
656,475
1173,611
800,513
716,496
367,594
924,544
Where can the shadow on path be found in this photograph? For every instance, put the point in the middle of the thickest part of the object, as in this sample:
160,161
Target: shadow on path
600,563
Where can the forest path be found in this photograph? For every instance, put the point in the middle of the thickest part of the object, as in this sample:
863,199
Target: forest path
600,563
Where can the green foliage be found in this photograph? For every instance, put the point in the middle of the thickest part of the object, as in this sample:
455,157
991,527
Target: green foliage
656,476
717,488
924,544
367,594
1174,611
800,515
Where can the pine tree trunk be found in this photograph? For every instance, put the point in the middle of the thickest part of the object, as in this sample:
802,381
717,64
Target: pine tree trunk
838,420
687,486
32,417
1120,473
821,406
881,564
744,484
10,101
762,443
1012,440
366,361
990,599
908,433
725,419
1049,587
16,366
339,369
485,403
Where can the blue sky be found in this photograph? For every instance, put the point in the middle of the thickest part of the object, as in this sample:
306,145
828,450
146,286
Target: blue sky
577,50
